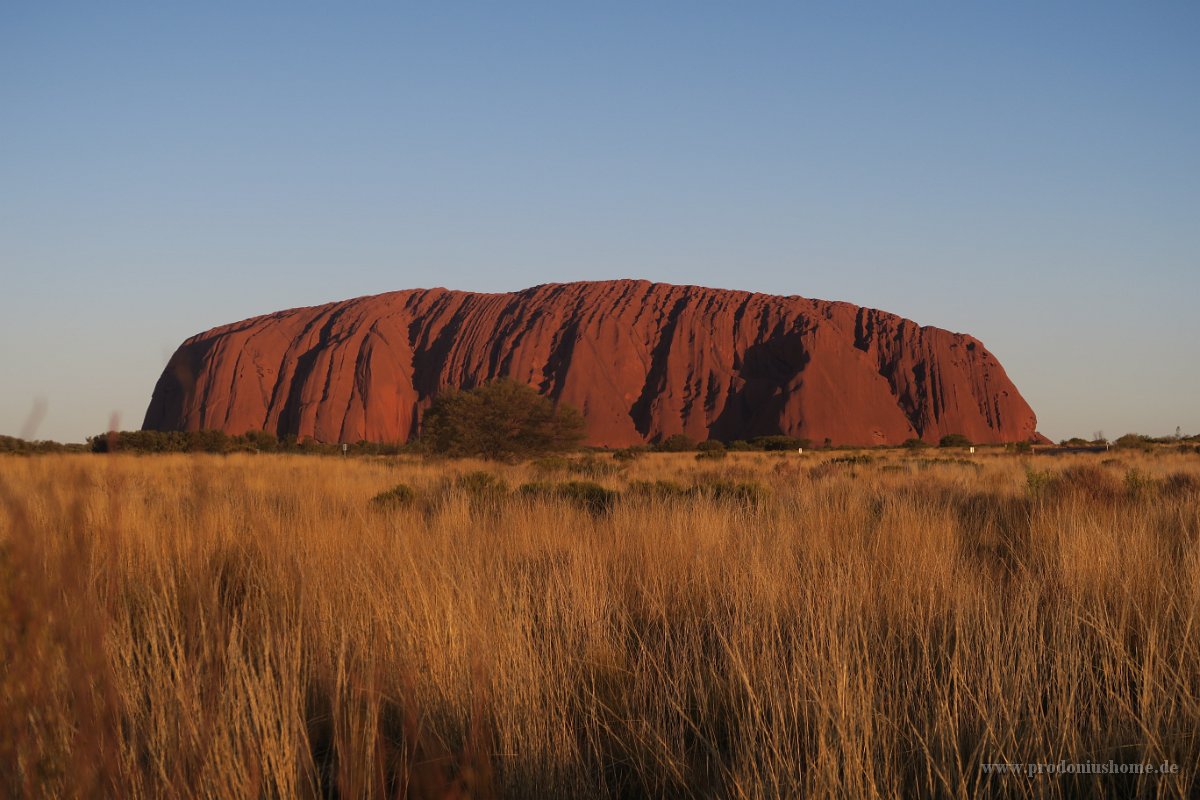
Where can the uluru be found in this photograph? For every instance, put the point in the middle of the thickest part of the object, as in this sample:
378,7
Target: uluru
641,360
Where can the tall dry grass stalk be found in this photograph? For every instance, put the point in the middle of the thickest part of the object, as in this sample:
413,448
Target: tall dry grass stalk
252,626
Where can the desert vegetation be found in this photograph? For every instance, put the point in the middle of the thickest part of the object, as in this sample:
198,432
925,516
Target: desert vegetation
499,420
760,624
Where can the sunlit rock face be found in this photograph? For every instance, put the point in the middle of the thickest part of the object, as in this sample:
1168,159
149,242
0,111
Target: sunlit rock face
642,361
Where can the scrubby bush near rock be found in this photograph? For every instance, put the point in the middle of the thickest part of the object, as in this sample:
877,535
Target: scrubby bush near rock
501,420
1133,441
779,442
710,451
954,440
676,443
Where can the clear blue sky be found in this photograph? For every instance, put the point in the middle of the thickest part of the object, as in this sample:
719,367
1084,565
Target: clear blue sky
1028,173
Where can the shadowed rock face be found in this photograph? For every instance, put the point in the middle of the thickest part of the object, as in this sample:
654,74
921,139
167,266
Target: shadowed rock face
641,360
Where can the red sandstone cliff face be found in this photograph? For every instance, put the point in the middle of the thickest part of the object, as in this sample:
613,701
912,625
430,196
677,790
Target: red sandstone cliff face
641,360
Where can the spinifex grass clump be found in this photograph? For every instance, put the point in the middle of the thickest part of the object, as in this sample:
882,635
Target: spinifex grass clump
592,466
749,492
585,494
481,484
547,465
629,453
1181,484
858,458
658,490
933,463
399,496
718,489
240,626
1092,482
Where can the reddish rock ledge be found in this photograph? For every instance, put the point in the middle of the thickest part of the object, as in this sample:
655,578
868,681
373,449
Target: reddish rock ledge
641,360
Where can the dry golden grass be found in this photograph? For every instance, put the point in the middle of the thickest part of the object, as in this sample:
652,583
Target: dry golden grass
250,626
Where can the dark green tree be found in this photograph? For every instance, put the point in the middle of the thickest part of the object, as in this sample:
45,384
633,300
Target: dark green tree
954,440
676,443
501,420
779,442
1132,441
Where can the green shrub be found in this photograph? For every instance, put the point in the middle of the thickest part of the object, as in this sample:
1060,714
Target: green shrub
954,440
712,445
12,444
629,453
1036,483
215,441
738,446
915,444
676,443
260,441
501,420
398,496
1138,483
1133,441
771,443
710,455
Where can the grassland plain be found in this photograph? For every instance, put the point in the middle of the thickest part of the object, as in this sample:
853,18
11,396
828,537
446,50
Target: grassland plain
759,625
